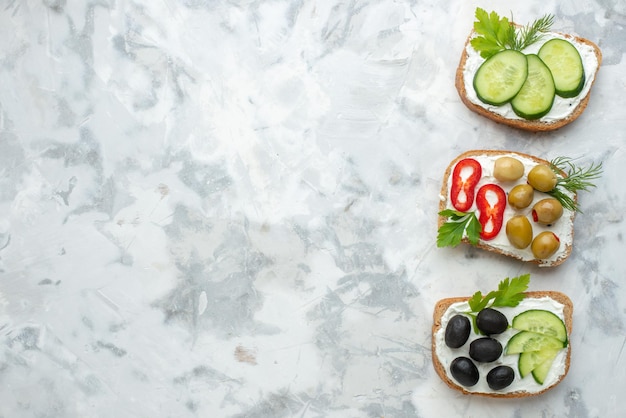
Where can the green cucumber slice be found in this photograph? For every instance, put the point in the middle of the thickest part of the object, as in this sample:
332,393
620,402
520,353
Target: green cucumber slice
541,372
541,322
530,360
525,341
500,77
536,96
566,65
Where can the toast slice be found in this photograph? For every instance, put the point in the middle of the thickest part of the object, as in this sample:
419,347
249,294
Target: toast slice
521,387
564,110
564,227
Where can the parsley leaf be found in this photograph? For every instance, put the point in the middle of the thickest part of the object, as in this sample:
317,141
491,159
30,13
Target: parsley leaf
478,302
495,34
458,225
510,293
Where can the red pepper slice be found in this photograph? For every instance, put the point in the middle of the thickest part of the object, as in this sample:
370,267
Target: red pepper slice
465,176
491,208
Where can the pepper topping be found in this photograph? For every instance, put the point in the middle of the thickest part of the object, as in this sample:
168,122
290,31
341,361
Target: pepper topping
465,177
491,202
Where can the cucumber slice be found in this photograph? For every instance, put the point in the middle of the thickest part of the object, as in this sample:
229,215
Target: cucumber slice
541,372
500,77
541,322
530,360
566,65
525,341
536,96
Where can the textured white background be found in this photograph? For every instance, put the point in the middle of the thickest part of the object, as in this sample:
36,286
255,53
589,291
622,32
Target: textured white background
227,208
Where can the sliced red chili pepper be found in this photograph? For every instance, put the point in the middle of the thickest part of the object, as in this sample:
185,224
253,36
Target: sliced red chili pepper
465,177
491,202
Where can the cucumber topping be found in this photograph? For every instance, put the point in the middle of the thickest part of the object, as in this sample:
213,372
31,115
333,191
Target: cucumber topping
530,360
566,65
501,77
542,335
536,96
525,341
541,372
541,322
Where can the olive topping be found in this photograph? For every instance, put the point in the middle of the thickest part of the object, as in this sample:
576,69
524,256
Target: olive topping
542,178
457,331
545,245
519,231
508,169
490,321
547,211
521,196
464,371
485,350
500,377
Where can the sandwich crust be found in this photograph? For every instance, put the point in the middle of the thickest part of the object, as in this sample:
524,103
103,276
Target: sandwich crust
527,125
442,305
443,204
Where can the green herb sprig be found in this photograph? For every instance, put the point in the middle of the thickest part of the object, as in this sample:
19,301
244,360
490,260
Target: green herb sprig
529,34
575,179
495,34
509,294
457,225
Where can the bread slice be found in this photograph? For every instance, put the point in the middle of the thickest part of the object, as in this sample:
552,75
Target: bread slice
512,392
565,224
575,106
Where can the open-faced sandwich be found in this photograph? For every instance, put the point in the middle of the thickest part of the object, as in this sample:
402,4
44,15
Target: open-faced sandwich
513,204
528,77
508,343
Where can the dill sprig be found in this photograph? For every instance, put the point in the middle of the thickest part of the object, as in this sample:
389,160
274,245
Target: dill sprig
529,34
575,179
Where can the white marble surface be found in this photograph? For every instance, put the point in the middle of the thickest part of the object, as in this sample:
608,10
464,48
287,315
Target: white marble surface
218,208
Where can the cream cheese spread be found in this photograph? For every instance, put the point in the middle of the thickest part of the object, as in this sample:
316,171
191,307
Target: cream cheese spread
446,354
562,228
562,107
